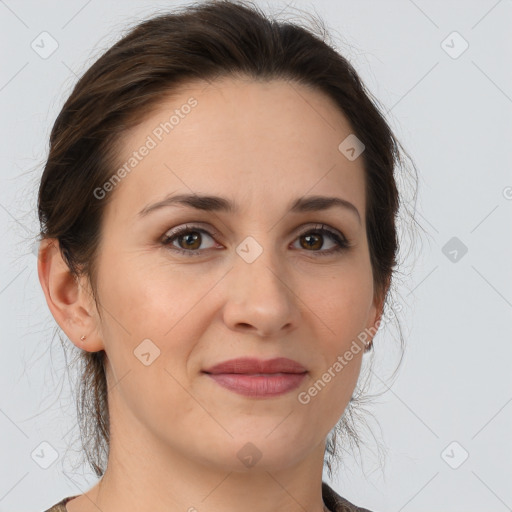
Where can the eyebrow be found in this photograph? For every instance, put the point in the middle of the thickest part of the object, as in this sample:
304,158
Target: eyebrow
220,204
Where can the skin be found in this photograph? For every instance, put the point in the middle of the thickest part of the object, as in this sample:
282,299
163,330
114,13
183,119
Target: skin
175,433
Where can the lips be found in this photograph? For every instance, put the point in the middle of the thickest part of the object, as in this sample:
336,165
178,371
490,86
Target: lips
254,366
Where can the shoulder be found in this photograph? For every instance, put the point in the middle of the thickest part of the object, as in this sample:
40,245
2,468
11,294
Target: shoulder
61,505
333,501
336,503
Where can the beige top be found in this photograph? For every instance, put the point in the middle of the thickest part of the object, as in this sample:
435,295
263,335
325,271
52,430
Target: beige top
333,501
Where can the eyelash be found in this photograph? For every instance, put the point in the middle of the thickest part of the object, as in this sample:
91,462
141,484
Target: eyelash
342,243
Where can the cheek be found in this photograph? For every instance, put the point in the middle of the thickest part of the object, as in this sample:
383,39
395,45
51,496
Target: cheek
344,301
326,395
157,397
148,299
155,314
343,311
149,335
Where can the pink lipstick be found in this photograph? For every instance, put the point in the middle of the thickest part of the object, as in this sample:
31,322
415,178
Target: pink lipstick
258,378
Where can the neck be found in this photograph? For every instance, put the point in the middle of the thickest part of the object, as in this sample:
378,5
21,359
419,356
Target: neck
147,477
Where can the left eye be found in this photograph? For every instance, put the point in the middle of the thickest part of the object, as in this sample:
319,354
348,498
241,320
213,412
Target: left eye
189,239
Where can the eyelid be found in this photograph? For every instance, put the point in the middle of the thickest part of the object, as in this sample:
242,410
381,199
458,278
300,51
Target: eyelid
341,241
174,232
209,230
321,226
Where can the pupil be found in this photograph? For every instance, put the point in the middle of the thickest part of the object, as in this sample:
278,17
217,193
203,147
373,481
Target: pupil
310,238
190,238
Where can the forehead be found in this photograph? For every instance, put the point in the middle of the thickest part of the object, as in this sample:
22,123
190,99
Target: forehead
242,137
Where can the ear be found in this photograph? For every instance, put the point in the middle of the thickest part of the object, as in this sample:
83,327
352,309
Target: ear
376,311
69,298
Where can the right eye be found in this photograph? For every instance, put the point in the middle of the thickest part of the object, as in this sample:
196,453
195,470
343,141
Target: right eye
188,237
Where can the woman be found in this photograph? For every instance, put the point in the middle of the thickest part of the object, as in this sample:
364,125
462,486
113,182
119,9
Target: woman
218,239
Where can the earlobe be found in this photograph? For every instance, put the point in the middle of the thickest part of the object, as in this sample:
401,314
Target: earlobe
378,306
374,321
379,309
67,300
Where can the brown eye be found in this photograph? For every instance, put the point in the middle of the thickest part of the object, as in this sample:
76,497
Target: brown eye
187,240
313,241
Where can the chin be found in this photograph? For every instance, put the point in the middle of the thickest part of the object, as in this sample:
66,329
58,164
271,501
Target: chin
260,452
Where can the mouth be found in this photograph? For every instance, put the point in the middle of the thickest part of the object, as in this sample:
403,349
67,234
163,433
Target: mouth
258,378
258,385
251,365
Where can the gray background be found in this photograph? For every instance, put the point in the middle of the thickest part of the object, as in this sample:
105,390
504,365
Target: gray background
453,113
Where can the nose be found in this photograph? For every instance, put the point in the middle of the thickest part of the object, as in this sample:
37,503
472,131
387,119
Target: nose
259,298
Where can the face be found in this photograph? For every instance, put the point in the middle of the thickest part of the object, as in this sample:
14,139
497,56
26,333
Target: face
182,287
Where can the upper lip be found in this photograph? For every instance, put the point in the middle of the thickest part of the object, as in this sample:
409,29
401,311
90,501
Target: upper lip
254,365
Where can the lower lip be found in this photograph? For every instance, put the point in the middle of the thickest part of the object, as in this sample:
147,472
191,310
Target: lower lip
261,386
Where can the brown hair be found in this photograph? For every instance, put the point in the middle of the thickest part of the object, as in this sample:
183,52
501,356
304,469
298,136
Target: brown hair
218,38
